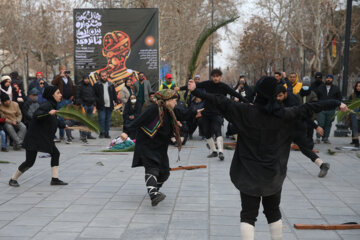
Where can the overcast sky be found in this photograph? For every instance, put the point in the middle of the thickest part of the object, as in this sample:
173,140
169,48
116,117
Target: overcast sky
229,42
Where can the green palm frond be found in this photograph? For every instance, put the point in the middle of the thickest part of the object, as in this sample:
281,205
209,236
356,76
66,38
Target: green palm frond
74,113
352,106
202,39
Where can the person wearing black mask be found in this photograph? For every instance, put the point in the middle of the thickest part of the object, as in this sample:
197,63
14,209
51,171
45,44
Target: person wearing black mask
39,137
317,83
259,164
353,117
325,118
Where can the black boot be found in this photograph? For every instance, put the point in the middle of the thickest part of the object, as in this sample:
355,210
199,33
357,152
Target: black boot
356,143
152,188
323,170
213,154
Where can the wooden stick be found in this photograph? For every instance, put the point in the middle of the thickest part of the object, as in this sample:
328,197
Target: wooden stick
188,167
327,227
104,153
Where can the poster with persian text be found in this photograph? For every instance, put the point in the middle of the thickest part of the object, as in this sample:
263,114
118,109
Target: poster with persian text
120,42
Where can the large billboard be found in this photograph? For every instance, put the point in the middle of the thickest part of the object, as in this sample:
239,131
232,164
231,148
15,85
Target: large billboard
120,42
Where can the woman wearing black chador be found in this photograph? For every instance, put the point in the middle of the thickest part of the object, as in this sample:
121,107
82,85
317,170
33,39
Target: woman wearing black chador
40,137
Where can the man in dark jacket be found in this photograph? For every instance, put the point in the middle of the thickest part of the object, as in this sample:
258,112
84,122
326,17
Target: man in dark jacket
325,118
106,97
258,168
67,90
211,118
85,97
317,83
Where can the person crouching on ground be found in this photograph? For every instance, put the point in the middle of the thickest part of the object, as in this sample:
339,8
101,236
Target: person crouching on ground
39,137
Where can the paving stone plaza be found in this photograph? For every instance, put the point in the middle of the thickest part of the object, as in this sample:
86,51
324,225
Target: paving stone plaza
106,199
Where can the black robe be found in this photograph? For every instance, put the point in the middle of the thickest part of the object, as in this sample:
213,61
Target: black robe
153,149
262,151
40,134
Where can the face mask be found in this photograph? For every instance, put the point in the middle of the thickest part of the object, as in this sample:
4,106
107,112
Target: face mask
328,82
305,88
35,98
133,100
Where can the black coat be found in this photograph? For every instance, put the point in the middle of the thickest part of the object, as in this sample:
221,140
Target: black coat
85,94
41,131
99,95
262,151
129,110
334,93
152,150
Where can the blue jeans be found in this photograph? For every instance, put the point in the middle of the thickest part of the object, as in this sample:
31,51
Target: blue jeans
61,104
89,110
104,117
354,124
3,139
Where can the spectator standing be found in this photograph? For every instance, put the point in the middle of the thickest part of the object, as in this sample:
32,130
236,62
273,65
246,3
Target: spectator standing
131,111
142,89
85,97
169,83
325,118
126,92
106,98
67,90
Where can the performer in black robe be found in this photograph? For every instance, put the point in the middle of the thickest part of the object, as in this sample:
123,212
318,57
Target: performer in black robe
154,128
259,164
40,137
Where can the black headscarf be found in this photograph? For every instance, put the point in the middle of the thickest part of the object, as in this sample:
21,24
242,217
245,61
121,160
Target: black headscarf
266,96
49,92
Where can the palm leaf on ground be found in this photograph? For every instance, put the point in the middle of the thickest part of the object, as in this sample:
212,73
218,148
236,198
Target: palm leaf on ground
202,39
74,113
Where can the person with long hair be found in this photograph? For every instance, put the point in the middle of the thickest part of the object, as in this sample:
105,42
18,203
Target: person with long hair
353,117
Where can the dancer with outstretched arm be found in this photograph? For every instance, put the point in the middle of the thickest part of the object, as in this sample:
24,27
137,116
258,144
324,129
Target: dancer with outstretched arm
40,137
259,165
154,128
